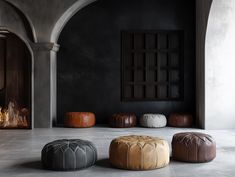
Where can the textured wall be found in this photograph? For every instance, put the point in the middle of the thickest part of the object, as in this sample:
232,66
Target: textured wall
89,56
220,66
47,18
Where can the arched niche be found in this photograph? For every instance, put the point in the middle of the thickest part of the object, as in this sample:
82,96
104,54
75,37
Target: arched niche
106,14
219,66
202,13
16,82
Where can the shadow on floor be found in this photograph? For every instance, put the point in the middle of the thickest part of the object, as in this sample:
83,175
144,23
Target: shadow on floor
32,165
104,163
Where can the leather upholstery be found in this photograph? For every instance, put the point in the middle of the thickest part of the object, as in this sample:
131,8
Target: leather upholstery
122,120
193,147
79,119
67,155
180,120
139,152
153,120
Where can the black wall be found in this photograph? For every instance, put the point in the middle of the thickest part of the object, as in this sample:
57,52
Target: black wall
89,57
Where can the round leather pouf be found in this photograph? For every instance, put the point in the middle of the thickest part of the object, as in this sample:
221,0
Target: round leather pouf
193,147
139,153
122,120
180,120
79,119
68,155
153,120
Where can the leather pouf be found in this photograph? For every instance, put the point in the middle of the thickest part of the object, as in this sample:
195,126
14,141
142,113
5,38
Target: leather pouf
79,119
139,152
153,120
66,155
122,120
193,147
180,120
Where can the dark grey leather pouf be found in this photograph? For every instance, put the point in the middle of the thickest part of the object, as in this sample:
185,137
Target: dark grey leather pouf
66,155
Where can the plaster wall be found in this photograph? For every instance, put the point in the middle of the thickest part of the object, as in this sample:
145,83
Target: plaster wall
219,66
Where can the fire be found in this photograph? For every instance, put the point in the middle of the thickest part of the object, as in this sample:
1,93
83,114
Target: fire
13,117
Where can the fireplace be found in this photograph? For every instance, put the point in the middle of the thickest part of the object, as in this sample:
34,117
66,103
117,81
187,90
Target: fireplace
15,82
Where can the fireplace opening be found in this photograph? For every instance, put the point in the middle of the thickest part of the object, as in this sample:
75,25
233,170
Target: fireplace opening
91,57
15,82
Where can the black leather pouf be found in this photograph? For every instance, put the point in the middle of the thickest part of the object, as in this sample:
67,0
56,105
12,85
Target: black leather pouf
68,155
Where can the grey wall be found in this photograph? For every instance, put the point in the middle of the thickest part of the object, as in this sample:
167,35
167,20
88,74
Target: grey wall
48,17
88,64
219,66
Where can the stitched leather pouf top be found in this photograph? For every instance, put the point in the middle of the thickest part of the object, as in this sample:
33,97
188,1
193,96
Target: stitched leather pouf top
139,152
79,119
153,120
68,155
122,120
180,120
193,147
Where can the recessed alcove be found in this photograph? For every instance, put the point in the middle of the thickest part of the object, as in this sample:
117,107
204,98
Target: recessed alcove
15,82
89,61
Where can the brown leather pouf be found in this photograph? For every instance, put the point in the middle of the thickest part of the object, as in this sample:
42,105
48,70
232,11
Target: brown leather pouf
180,120
79,119
193,147
122,120
139,152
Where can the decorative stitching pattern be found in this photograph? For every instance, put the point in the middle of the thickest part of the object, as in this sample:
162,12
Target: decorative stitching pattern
153,120
193,147
139,152
67,154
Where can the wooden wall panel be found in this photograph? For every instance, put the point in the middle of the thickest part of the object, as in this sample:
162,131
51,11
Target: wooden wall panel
152,65
17,72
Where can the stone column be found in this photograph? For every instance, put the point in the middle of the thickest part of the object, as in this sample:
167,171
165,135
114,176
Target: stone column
202,13
44,84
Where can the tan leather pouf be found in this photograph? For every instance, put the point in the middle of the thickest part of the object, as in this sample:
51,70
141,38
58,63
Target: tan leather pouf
79,119
139,152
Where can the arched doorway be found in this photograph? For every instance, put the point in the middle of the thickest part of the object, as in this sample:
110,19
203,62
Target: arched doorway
15,82
84,69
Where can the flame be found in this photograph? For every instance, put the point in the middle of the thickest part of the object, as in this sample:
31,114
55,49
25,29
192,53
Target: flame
12,117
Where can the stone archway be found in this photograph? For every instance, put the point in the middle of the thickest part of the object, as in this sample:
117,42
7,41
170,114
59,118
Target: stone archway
202,14
14,24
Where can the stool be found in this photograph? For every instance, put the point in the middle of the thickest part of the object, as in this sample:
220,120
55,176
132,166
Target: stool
79,119
193,147
139,152
66,155
122,120
153,120
180,120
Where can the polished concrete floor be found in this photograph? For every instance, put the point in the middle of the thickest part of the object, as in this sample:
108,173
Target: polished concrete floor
20,153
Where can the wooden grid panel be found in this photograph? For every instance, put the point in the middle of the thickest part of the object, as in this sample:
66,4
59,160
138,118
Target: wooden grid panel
152,63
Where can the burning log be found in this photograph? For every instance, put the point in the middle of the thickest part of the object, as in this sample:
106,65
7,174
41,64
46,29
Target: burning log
13,117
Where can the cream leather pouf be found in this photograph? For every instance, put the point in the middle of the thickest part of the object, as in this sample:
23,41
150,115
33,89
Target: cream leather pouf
153,120
139,152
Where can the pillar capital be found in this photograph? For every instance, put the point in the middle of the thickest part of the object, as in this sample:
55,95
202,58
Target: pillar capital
46,46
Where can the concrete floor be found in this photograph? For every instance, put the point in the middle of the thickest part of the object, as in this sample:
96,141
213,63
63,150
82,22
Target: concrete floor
20,153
